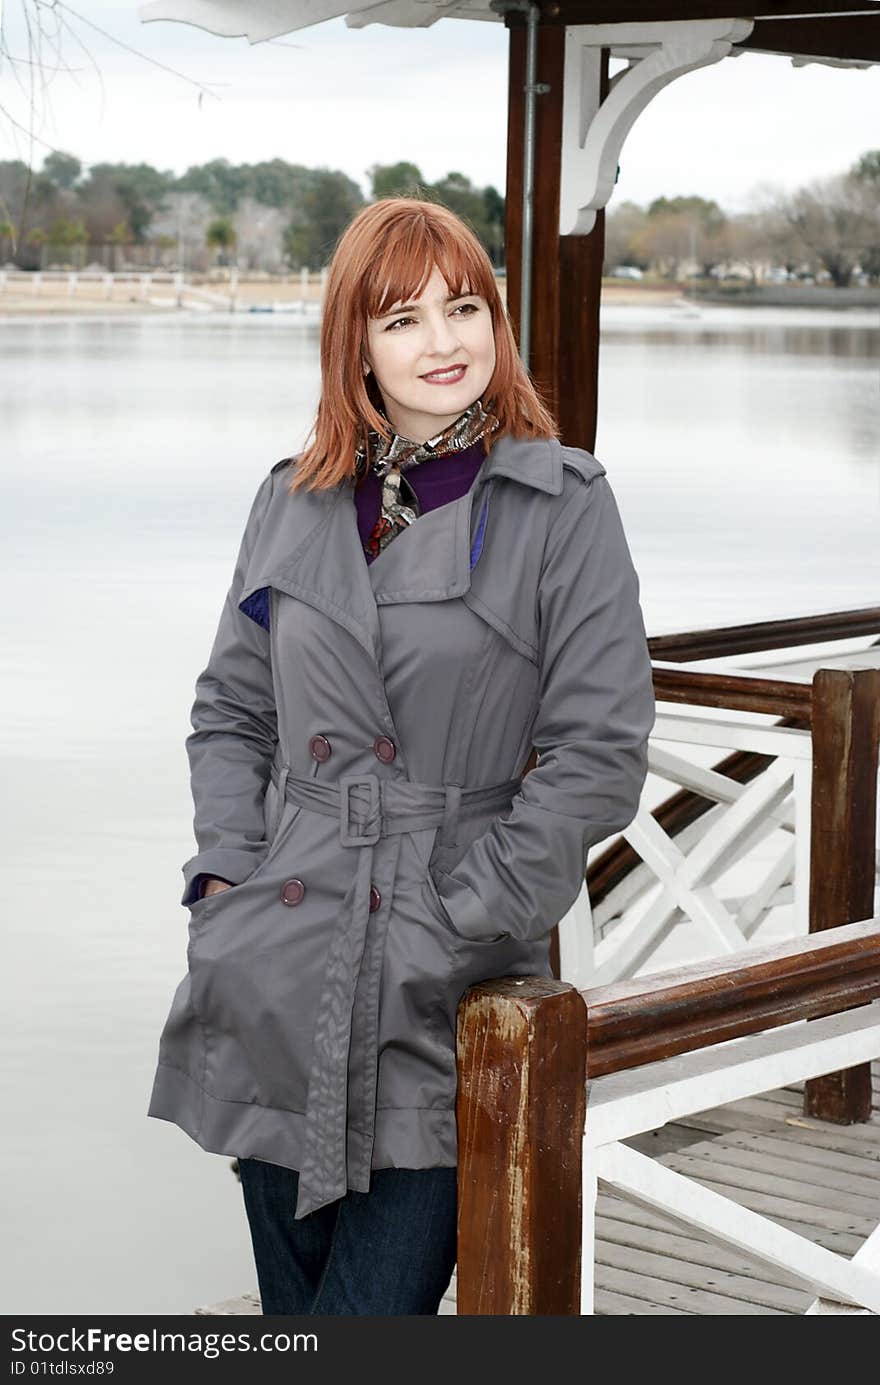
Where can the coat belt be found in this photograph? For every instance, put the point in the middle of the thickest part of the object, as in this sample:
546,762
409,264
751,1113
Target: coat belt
369,809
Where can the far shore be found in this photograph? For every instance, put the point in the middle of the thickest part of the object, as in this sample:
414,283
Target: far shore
130,296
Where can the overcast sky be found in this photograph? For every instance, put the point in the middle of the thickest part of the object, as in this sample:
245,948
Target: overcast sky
346,98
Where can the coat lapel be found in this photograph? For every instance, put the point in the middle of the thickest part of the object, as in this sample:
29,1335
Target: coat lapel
313,549
431,560
308,553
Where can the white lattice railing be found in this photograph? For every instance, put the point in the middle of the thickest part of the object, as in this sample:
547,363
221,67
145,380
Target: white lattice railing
742,869
623,1104
680,883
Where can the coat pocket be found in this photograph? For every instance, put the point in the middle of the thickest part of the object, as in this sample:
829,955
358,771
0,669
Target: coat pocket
443,859
256,965
206,907
425,842
436,903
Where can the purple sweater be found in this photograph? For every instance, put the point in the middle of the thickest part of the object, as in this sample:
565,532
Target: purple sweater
436,482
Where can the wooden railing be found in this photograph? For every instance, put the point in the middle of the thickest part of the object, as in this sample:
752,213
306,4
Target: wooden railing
551,1080
841,711
526,1046
728,640
794,703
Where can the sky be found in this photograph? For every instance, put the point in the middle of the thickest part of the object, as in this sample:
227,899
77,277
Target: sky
347,98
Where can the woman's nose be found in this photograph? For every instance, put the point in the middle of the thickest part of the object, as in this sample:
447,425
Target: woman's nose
442,334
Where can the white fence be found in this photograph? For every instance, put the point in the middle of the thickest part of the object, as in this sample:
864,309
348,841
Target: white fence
167,289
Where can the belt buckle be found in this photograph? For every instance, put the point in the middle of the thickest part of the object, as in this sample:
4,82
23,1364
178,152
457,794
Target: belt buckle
347,836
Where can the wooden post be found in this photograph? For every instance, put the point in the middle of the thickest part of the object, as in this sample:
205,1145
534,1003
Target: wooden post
521,1048
846,732
580,271
565,324
566,270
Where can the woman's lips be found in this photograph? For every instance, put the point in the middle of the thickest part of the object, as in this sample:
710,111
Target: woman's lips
445,377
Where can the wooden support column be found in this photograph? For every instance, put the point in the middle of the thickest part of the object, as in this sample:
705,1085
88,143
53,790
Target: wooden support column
520,1108
846,732
566,270
565,320
580,274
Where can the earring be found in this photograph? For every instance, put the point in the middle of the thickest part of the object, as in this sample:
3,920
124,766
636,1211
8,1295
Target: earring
365,368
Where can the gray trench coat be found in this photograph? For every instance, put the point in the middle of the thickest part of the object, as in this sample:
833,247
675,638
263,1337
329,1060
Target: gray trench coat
357,773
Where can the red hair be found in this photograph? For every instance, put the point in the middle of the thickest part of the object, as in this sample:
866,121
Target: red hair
385,256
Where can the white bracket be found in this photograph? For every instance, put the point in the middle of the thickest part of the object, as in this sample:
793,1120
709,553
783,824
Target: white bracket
592,132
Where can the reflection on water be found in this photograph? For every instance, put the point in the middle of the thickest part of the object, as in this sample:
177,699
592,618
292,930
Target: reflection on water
744,449
804,331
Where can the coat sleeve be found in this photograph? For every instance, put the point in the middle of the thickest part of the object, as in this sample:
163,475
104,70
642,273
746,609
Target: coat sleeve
595,713
234,735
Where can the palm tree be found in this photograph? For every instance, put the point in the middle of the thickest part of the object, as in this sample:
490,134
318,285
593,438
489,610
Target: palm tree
120,235
7,233
40,239
221,237
162,244
68,236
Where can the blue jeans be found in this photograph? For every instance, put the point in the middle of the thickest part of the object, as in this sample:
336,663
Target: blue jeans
389,1251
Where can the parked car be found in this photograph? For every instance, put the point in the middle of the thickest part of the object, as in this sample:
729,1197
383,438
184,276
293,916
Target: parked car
626,271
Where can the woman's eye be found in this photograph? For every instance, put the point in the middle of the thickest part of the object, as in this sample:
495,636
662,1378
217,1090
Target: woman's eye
467,309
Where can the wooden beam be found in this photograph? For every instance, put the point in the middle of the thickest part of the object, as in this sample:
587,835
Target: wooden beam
544,363
520,1112
735,692
759,635
843,827
577,389
841,30
564,355
842,36
516,76
653,11
545,253
683,1009
580,272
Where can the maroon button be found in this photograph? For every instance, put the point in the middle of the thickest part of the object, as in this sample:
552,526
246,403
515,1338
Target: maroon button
385,749
375,899
320,748
292,892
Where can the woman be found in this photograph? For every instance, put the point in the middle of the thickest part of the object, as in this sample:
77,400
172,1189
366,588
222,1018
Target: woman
434,586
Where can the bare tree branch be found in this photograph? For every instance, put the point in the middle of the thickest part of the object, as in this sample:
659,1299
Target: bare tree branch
46,25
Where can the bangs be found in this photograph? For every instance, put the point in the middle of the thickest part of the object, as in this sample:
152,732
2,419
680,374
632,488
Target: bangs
404,264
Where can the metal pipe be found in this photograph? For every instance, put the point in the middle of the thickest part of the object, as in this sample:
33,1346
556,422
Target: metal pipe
531,90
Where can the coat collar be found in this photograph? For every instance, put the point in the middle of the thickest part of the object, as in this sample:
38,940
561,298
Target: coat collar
310,547
533,462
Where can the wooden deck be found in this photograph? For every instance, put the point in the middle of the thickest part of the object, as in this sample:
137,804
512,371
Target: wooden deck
818,1179
815,1178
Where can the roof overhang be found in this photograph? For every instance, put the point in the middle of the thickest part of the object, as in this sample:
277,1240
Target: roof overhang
833,31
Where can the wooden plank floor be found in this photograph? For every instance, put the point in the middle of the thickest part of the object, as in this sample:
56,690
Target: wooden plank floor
815,1178
818,1179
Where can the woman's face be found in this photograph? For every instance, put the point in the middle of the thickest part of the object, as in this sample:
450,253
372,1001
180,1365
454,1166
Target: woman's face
432,357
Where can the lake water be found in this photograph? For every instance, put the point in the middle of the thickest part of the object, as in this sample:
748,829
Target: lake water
744,450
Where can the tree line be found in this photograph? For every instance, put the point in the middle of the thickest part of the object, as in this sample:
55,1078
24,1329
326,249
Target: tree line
266,216
276,216
828,227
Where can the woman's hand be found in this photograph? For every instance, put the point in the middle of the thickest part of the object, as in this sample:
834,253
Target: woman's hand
214,886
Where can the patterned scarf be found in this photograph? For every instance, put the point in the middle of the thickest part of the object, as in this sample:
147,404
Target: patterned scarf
390,459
